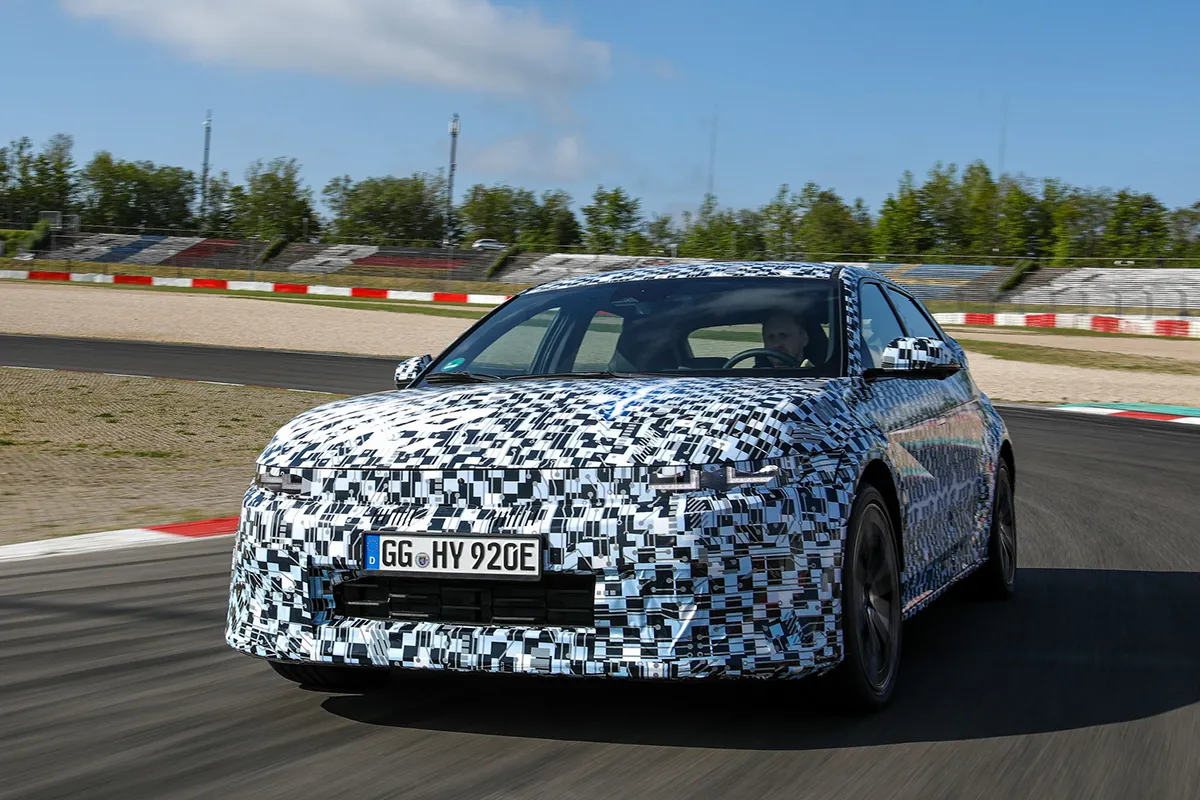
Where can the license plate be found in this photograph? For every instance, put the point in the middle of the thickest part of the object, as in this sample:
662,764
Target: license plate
469,556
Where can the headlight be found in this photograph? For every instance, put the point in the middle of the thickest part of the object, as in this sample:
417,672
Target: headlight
277,480
715,477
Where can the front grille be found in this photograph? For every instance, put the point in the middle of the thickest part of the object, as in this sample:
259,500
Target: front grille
554,599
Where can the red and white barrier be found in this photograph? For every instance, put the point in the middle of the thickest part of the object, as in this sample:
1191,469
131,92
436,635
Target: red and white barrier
255,286
1182,327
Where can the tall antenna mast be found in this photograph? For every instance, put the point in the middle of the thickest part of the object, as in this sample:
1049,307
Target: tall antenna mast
204,170
712,149
1003,134
450,179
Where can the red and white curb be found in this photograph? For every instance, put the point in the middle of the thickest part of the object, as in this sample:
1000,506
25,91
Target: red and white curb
119,540
1179,327
255,286
1129,414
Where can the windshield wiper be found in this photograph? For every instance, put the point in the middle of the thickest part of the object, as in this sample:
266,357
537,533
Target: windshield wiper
462,377
552,376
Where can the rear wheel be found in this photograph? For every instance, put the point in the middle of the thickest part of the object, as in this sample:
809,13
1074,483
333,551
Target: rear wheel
333,677
996,579
871,606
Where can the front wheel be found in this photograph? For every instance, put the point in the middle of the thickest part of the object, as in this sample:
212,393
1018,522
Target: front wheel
334,678
871,606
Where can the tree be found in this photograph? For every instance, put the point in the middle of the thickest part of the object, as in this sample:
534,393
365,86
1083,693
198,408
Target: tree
128,194
379,210
828,226
943,210
220,214
551,223
1017,226
53,175
979,207
275,202
661,233
1184,226
780,236
612,216
19,203
902,229
1137,227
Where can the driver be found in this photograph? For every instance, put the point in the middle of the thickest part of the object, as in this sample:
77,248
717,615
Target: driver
784,333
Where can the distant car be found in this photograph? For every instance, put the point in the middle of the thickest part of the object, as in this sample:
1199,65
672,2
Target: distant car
488,244
672,472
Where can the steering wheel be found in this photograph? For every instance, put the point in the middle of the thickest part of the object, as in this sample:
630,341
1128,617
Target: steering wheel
783,358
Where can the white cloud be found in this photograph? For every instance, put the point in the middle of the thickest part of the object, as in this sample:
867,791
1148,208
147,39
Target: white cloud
532,157
455,44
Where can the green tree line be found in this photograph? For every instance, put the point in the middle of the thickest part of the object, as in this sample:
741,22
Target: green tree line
967,214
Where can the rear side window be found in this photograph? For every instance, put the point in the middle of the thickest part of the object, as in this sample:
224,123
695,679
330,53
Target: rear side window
879,325
914,318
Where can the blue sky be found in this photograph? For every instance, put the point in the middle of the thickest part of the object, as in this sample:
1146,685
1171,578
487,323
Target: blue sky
573,93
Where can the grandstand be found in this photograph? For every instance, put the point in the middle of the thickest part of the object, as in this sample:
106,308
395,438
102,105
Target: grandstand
1164,288
1089,287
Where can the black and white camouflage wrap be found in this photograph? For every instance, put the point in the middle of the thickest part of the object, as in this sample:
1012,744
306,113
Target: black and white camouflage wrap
916,354
743,582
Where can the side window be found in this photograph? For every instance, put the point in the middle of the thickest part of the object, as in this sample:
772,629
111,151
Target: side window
914,319
599,343
879,324
514,352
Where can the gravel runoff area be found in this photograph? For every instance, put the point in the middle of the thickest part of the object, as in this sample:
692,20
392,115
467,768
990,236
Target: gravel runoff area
82,453
242,322
144,315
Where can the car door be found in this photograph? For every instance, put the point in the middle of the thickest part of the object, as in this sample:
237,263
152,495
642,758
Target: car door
920,417
960,446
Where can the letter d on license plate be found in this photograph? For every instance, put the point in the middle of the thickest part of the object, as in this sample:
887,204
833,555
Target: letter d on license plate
469,556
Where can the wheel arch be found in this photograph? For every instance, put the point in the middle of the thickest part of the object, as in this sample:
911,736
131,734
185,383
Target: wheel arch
1006,456
878,474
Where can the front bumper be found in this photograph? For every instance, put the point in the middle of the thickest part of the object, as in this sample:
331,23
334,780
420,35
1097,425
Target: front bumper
736,585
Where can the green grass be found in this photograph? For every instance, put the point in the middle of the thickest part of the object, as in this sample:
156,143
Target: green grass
1066,357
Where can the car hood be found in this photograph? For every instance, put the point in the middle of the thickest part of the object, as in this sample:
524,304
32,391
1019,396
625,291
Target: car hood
565,424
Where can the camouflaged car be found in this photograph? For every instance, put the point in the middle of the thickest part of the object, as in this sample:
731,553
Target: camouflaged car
677,472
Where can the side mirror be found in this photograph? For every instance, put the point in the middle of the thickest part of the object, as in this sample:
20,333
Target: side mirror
408,370
916,358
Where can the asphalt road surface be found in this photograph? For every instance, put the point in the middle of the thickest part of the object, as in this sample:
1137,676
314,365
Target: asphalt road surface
117,682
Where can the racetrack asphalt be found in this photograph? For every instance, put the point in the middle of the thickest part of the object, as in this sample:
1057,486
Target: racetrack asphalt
117,682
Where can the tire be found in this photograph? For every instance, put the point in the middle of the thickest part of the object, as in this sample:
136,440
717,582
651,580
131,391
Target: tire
356,679
996,580
872,613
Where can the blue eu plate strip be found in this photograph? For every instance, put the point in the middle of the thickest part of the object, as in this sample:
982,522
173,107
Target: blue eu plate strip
371,552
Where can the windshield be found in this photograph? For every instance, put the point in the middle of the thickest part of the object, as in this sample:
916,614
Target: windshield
680,326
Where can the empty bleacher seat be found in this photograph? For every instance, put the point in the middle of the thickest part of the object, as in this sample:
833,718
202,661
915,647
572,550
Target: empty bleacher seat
1167,288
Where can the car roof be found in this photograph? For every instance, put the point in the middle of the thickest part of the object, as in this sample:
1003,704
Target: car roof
711,269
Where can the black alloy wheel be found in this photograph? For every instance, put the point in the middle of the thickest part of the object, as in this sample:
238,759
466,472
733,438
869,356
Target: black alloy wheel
997,578
872,614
